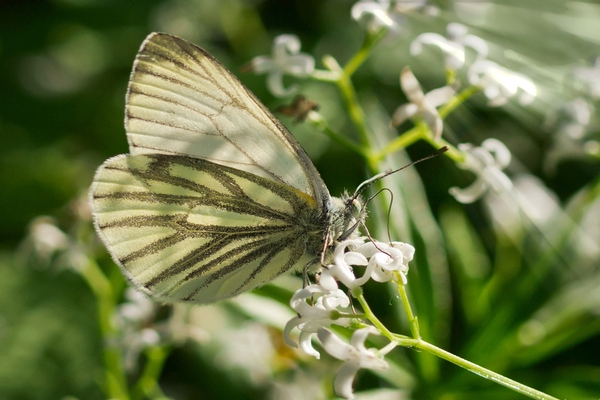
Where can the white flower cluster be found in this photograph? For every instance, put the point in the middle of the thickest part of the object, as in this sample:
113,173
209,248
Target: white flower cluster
320,305
487,163
421,104
134,320
453,45
498,83
286,59
389,14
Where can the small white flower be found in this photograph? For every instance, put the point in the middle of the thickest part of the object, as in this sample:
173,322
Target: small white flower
312,317
453,45
286,59
46,238
133,318
571,125
386,260
381,261
572,119
137,309
380,13
487,162
355,355
590,77
388,14
341,269
422,105
317,305
499,83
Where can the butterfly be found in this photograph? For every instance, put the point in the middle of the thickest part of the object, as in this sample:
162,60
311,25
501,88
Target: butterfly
215,197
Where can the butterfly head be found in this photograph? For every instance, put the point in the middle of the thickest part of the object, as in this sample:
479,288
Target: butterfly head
348,213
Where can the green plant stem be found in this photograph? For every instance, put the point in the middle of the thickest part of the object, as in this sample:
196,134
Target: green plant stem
457,100
115,384
365,51
358,294
147,384
401,142
483,372
355,110
412,319
419,343
321,124
344,83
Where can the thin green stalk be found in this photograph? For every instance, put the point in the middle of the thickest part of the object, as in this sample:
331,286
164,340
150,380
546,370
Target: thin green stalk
355,110
115,379
358,294
455,154
321,124
365,51
346,87
401,142
457,100
483,372
147,384
412,319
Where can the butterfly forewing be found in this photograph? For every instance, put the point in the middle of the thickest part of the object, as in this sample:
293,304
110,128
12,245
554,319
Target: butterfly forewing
181,100
186,229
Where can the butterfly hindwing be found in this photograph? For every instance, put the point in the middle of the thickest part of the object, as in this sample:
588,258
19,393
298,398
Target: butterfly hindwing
185,229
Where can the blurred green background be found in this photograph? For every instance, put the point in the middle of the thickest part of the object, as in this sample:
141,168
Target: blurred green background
65,66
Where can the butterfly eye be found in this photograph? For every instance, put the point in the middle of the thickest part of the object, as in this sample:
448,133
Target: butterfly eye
356,206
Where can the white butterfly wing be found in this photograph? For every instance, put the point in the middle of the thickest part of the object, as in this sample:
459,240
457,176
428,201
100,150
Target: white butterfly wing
184,229
216,197
181,100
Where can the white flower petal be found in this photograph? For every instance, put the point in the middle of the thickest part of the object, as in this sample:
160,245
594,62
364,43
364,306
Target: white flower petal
291,324
275,85
285,43
149,337
411,87
403,113
427,38
379,12
471,193
499,83
502,155
456,31
342,383
305,341
496,180
477,44
354,258
433,121
440,96
453,45
407,250
360,335
335,346
327,281
300,65
343,273
262,64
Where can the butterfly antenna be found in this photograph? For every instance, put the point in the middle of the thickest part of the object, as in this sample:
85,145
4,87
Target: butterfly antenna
373,241
389,213
382,175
